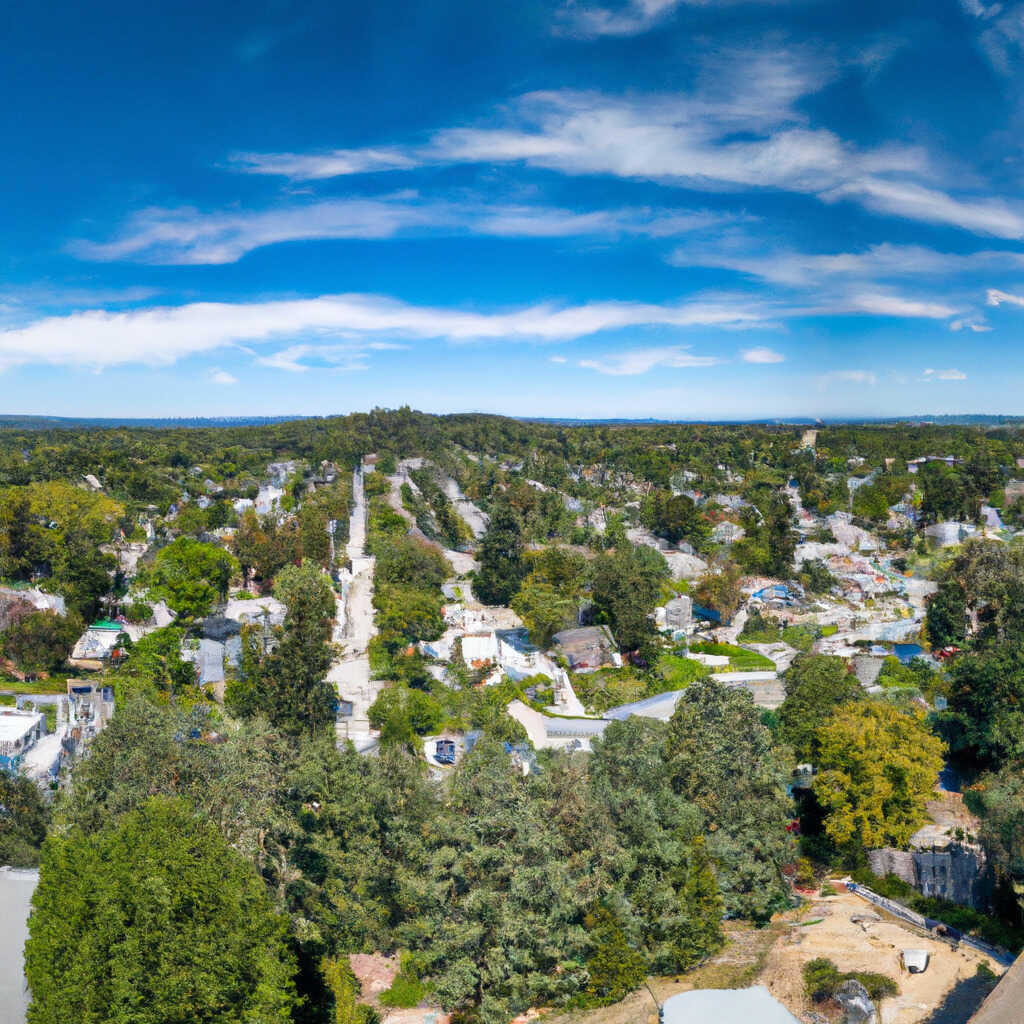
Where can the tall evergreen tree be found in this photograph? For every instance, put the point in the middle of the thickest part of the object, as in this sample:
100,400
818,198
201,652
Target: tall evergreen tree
292,680
501,558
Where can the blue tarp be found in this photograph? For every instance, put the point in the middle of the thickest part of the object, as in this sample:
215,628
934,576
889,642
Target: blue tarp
707,613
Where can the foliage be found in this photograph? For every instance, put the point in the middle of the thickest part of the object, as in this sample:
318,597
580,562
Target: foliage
192,576
501,557
406,990
719,589
614,968
291,681
816,685
998,798
877,768
23,820
822,980
674,517
770,540
41,641
626,588
544,609
721,758
155,667
154,919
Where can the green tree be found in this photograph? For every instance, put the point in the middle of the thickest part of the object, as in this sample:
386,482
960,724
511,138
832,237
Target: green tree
23,820
998,799
702,908
719,589
501,558
192,576
721,758
947,615
292,682
544,609
154,667
674,517
614,968
878,766
154,919
626,589
816,685
41,641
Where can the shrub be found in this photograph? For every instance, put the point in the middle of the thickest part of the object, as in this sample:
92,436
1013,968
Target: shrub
822,980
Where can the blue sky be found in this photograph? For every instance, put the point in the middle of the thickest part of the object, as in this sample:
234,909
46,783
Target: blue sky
694,209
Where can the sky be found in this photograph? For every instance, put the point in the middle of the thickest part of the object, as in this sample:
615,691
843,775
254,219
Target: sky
679,209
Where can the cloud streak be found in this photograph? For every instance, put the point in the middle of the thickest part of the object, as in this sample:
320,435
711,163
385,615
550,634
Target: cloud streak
763,355
740,128
191,237
338,330
642,360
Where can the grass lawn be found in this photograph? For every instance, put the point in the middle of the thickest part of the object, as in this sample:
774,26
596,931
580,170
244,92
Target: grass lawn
740,659
51,685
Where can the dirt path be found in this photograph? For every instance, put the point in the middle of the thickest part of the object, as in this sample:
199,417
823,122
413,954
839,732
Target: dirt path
871,944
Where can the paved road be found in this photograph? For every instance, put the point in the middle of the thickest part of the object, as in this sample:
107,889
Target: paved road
351,672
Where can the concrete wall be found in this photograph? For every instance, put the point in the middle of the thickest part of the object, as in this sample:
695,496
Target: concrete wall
959,873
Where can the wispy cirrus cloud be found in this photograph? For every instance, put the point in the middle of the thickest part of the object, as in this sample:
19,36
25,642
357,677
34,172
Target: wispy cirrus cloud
863,377
995,297
633,362
740,126
943,375
630,19
188,236
731,133
331,164
762,355
337,330
885,261
913,201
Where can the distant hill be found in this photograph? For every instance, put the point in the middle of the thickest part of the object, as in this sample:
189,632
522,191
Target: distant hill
14,422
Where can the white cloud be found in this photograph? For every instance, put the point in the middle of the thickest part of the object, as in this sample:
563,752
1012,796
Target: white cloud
762,355
188,236
747,256
740,128
559,359
219,376
968,324
635,17
995,297
880,304
641,360
865,377
341,328
931,374
334,164
916,202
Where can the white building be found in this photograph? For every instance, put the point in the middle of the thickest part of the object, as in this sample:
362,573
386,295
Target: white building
20,731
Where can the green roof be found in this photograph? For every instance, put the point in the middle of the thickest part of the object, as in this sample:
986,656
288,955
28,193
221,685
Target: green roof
107,624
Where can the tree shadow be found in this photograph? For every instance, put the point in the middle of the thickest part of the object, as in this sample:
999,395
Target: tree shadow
961,1001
